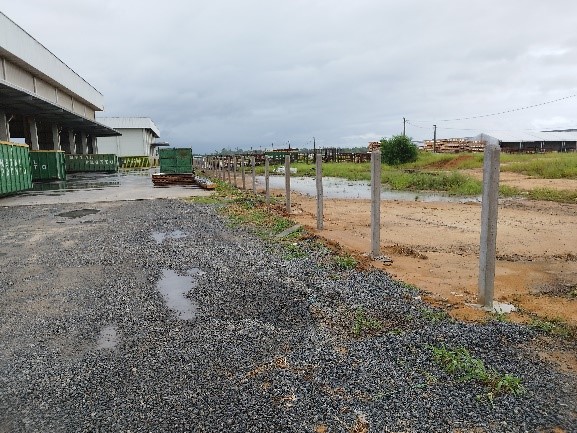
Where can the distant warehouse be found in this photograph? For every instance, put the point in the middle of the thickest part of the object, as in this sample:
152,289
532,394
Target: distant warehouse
138,137
540,142
43,102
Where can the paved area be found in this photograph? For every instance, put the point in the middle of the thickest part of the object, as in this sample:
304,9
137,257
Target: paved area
100,187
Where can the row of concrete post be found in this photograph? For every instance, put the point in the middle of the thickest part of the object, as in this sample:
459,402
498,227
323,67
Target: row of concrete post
222,166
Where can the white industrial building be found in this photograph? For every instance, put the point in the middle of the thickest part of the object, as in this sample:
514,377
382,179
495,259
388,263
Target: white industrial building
43,102
137,139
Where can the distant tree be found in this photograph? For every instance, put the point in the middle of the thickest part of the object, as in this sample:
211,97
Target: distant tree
399,149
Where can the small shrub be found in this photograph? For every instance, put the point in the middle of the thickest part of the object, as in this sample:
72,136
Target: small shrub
399,149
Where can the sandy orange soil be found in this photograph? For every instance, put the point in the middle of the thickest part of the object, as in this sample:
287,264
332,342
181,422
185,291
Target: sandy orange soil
435,246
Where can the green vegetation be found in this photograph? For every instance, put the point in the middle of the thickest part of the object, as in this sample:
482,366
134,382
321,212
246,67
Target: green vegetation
363,323
543,166
345,262
293,251
552,326
560,196
465,367
435,316
399,149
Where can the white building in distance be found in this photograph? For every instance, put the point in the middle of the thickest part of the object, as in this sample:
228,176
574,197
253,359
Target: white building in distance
137,139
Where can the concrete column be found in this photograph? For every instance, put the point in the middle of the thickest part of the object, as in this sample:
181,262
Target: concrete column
4,129
490,204
33,128
55,137
71,142
375,203
84,143
94,144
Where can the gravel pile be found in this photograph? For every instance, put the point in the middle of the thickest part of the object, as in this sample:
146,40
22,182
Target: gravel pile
88,342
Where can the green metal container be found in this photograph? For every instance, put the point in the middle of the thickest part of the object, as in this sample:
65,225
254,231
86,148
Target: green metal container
15,172
94,162
47,164
175,160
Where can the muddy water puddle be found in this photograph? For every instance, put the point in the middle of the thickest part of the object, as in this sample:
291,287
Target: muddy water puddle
174,289
78,213
334,187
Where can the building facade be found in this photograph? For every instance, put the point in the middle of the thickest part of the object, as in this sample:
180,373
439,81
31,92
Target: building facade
138,136
43,102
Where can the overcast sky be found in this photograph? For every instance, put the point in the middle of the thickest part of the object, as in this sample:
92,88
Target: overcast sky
250,73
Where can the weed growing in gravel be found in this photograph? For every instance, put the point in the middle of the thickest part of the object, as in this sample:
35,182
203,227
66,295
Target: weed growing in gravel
293,251
553,327
435,316
466,367
345,262
362,323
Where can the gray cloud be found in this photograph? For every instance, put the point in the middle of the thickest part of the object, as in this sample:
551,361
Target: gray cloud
228,73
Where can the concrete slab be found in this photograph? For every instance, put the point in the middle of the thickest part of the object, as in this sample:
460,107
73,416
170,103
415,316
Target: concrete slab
101,187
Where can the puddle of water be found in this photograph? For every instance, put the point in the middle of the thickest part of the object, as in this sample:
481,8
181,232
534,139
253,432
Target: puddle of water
78,213
108,337
334,187
173,288
159,237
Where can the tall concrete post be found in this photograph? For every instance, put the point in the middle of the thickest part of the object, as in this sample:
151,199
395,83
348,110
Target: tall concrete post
253,167
488,246
55,138
376,203
266,183
319,174
95,144
4,129
287,182
33,134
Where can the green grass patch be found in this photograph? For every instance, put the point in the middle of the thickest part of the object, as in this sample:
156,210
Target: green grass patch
560,196
544,166
364,324
461,364
555,327
453,183
345,262
435,316
294,251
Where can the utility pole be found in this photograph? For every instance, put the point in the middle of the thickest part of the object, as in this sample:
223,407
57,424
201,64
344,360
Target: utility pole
404,122
435,140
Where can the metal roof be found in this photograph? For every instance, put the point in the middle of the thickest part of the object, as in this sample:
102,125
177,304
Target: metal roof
521,136
25,51
130,123
22,102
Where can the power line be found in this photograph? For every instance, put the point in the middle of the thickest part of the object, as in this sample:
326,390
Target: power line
500,112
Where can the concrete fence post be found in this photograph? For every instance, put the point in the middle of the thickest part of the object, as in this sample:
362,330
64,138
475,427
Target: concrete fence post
228,164
376,203
488,245
242,172
253,166
287,182
234,169
266,182
319,181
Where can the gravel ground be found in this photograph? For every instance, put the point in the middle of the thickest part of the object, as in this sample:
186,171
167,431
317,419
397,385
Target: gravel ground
88,343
